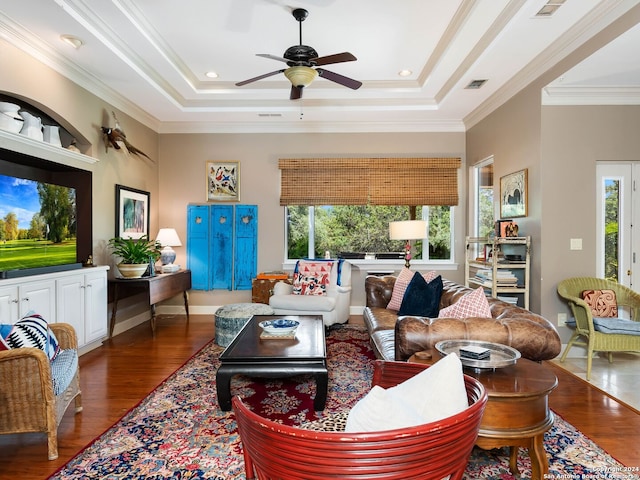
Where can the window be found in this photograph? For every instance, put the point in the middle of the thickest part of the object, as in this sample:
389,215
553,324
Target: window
482,198
356,230
344,205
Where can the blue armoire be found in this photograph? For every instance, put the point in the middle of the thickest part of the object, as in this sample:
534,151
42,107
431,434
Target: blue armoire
222,246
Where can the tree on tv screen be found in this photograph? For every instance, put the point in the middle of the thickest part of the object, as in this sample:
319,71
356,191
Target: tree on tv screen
56,209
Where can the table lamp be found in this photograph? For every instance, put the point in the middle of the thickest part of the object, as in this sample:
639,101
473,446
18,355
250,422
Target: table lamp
168,237
408,230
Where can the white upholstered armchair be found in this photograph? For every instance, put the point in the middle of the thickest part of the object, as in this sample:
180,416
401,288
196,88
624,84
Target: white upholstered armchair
316,291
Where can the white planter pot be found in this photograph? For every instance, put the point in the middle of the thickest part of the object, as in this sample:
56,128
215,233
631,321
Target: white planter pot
132,270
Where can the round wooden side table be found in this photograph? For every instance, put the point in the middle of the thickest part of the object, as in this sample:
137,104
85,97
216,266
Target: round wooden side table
517,412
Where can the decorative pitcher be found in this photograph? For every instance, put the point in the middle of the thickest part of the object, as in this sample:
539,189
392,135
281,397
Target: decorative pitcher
51,134
32,127
10,119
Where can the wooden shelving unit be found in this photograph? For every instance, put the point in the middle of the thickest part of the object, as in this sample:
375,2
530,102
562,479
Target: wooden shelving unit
501,265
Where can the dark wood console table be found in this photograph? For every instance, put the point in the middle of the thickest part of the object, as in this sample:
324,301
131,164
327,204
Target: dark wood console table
161,287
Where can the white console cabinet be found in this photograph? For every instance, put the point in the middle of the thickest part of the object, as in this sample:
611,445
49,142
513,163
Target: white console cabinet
18,299
77,297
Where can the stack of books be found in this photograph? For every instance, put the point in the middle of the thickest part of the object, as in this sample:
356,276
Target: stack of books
505,278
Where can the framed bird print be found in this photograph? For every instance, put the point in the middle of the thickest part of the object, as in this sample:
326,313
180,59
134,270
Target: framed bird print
132,212
223,181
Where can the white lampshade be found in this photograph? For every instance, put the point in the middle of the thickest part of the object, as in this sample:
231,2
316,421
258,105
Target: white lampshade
301,76
168,237
408,230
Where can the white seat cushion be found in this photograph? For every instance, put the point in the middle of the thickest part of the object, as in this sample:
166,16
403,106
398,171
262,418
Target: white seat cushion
303,302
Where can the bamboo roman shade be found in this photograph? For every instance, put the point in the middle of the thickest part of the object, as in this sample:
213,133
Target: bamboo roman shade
369,181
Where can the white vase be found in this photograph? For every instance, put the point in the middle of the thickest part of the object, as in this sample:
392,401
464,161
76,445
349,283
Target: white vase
32,127
51,134
10,119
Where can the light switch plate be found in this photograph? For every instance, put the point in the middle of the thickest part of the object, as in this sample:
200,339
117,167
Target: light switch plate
576,244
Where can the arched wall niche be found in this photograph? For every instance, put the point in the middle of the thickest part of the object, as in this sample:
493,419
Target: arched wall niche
68,133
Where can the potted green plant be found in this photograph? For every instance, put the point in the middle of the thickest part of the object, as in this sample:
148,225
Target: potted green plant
135,255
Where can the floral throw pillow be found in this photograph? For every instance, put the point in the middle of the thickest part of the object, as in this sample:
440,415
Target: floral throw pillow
602,303
311,278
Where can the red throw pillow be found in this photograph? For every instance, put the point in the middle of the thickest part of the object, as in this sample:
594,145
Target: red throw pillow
602,303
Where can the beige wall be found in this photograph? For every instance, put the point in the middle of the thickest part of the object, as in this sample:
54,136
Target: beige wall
573,140
512,136
182,181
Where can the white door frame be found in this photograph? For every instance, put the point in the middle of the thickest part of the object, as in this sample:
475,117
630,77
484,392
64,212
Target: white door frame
625,173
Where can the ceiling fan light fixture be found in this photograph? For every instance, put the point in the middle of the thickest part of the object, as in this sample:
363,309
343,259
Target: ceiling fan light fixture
301,76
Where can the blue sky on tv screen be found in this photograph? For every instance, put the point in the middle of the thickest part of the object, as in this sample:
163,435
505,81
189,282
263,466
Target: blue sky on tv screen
19,196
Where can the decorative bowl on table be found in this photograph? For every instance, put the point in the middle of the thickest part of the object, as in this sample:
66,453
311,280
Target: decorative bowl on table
279,326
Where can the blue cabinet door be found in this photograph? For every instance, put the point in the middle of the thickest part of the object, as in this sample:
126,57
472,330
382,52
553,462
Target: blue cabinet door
221,260
198,246
222,246
246,246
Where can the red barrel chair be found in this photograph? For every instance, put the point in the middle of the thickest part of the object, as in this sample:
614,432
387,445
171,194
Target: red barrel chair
429,451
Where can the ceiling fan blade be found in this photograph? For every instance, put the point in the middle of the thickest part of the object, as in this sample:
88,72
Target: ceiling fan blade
336,58
296,93
341,79
272,57
260,77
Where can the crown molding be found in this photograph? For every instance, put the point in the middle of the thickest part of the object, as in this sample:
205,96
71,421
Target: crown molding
452,126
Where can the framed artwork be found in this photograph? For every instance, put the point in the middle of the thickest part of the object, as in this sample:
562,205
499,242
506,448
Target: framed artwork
223,181
132,212
513,195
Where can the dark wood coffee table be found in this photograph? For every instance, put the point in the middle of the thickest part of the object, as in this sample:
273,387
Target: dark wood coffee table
517,412
250,355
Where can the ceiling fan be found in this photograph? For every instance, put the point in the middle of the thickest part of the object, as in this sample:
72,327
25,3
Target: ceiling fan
301,60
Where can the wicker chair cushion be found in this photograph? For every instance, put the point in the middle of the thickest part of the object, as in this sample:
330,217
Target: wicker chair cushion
436,393
612,325
63,369
30,331
602,303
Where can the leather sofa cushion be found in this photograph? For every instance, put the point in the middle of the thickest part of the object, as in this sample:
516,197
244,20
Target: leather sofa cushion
413,334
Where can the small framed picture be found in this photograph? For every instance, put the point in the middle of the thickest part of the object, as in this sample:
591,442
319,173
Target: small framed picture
132,212
513,195
223,181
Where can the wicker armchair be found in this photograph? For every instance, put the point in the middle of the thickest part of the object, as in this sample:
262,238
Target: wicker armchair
430,451
571,290
27,400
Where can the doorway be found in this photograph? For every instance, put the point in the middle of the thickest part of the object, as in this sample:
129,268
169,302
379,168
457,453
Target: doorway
618,209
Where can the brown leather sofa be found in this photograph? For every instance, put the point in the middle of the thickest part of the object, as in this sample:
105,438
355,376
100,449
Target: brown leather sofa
396,338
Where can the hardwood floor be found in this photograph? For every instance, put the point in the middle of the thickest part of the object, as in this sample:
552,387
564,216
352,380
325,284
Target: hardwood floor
123,371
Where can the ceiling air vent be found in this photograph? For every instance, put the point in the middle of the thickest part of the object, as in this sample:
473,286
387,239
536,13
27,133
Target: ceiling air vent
475,84
550,8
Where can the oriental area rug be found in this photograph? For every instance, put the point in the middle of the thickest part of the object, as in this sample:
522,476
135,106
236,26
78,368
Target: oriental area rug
178,431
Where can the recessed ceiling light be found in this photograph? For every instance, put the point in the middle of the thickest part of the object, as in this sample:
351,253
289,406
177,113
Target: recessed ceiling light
405,73
211,74
72,40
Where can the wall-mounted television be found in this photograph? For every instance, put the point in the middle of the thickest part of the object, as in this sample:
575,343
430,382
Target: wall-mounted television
45,215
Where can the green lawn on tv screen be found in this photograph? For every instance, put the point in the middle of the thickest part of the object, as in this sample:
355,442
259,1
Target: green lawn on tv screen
19,254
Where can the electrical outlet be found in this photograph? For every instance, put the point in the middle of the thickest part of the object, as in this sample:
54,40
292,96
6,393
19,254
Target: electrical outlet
562,319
